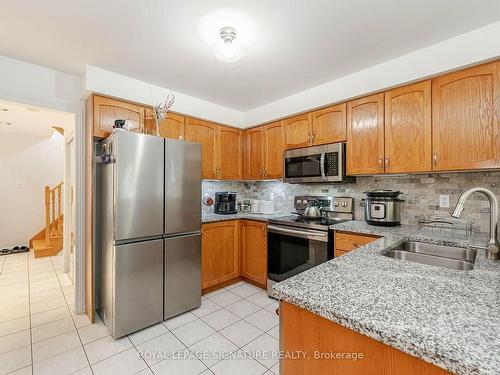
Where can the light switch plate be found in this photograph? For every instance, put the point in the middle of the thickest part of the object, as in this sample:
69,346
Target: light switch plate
444,201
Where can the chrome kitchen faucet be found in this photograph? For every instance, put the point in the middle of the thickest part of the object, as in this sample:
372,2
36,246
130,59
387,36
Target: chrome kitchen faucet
493,246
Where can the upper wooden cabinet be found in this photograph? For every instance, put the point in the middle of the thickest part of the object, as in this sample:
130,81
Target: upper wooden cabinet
274,148
221,148
465,116
254,251
107,110
298,131
219,252
230,157
255,153
365,135
264,151
408,129
171,127
329,125
205,133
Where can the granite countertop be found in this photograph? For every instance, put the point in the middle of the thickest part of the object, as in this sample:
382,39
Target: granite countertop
208,217
445,317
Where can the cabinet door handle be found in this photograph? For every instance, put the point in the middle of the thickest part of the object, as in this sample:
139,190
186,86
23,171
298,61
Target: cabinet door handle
380,161
386,162
435,158
313,137
309,138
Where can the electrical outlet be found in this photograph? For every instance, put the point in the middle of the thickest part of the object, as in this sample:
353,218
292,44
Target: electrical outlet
444,201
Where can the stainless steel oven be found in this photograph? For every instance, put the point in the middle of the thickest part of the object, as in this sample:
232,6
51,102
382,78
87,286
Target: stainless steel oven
296,243
291,251
315,164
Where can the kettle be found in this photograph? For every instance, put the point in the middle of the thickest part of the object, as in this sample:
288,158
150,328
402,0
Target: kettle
312,210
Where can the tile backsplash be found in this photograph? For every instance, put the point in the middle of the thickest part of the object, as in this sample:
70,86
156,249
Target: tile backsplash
420,193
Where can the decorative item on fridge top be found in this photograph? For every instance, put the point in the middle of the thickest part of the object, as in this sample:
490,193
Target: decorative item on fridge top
160,111
119,124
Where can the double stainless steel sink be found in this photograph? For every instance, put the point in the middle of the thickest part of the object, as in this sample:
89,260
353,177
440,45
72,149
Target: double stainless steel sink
455,258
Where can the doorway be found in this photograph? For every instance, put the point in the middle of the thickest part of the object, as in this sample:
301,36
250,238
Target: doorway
38,173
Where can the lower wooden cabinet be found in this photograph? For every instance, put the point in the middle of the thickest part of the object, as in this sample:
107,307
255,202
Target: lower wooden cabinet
220,250
346,241
254,251
308,333
233,249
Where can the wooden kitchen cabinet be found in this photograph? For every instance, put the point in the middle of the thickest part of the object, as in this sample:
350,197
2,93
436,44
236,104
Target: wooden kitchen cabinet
107,110
220,260
365,135
205,133
298,131
408,129
466,119
329,125
264,152
171,127
255,153
346,241
274,148
230,155
254,251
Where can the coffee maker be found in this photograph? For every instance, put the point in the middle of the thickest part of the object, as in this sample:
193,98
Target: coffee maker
225,202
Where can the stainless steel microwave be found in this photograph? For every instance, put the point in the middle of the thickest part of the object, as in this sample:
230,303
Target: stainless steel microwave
315,164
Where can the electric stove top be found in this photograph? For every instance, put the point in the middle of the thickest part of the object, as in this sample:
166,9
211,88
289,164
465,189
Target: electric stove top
311,223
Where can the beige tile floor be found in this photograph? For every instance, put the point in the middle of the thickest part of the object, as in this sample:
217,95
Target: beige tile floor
40,333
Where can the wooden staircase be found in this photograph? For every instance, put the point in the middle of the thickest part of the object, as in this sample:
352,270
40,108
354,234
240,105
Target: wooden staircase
49,241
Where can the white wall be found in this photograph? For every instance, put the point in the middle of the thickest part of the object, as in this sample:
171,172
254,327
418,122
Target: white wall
101,81
33,84
469,48
27,164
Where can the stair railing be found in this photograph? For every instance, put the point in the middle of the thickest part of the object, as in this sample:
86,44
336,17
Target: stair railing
53,211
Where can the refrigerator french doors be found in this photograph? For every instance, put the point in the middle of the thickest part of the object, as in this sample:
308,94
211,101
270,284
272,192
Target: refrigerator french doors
148,229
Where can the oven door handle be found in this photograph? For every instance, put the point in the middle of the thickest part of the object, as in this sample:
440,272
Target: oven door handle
322,166
303,233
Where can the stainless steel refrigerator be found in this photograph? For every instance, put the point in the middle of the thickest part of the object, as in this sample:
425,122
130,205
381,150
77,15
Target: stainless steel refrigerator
148,230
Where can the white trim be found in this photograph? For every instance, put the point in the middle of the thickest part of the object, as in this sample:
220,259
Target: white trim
79,276
67,201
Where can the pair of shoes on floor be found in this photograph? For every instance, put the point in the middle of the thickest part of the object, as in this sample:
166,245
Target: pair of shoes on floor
15,250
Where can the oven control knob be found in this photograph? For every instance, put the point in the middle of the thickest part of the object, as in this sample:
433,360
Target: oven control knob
299,201
344,204
336,204
304,201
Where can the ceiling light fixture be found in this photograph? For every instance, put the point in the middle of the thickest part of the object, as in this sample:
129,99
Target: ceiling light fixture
5,123
227,47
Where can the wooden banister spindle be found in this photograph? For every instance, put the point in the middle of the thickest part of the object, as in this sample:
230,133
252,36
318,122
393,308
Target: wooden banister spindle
53,197
47,212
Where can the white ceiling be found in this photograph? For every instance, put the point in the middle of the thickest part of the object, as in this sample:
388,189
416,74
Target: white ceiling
296,44
33,120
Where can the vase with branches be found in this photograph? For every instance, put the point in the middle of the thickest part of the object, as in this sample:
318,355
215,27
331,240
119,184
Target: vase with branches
160,111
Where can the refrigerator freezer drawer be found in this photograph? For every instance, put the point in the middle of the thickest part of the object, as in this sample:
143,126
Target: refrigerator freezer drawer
138,282
182,274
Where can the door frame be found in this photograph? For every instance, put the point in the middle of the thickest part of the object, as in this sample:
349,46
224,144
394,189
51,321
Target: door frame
78,110
68,214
